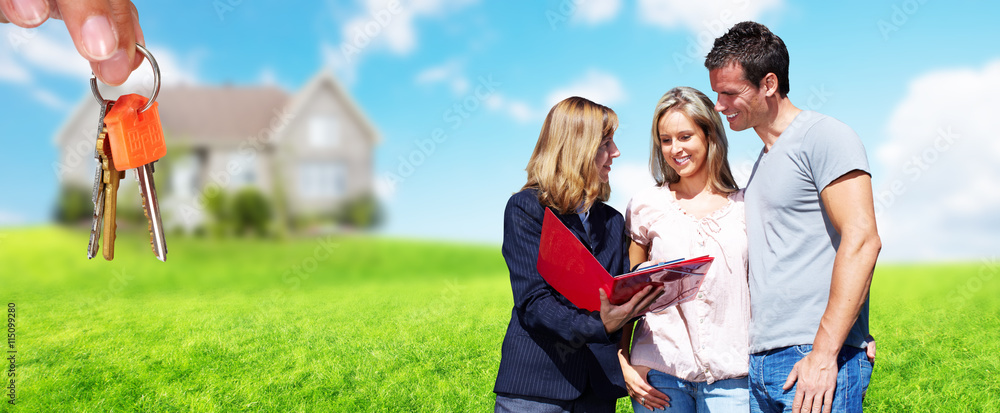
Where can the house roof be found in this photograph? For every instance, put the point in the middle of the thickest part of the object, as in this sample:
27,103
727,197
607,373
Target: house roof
219,113
325,78
229,113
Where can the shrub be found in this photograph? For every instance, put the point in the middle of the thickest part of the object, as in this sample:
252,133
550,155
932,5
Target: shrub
217,205
251,211
361,212
75,204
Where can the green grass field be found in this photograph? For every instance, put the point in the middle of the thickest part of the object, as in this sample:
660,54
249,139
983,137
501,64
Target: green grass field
365,324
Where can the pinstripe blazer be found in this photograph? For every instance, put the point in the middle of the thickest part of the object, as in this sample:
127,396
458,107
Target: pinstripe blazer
553,349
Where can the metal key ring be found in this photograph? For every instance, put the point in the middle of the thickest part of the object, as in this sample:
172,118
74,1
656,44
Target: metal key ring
156,79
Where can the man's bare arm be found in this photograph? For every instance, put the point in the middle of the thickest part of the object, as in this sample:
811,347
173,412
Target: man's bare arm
849,204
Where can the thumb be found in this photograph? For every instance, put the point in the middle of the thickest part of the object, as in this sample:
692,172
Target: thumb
792,378
638,297
605,303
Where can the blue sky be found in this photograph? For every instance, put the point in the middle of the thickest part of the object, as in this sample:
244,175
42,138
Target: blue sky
917,79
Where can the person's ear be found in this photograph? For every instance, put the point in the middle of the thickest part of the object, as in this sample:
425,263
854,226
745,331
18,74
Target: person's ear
770,84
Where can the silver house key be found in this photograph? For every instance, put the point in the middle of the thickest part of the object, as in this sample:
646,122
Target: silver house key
99,185
115,123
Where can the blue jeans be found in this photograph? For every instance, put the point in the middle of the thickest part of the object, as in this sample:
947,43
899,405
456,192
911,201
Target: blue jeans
730,395
769,370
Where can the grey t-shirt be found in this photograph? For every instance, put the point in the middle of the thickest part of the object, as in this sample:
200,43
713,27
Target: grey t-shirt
792,243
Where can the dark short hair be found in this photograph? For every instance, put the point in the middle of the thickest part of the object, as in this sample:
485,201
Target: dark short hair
755,48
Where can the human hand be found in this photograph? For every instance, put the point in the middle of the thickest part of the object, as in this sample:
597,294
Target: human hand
870,349
648,264
104,31
639,388
616,316
817,381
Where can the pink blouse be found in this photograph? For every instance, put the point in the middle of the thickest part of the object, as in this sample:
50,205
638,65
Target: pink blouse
705,339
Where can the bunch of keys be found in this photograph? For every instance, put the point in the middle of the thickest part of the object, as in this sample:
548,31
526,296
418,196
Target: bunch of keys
129,136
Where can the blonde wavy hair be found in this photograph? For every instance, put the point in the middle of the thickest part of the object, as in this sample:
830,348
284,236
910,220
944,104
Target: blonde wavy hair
702,112
562,166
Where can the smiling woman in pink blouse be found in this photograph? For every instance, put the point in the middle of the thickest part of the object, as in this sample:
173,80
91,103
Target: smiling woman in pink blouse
691,357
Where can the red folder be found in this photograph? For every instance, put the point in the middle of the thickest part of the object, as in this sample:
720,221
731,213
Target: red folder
569,267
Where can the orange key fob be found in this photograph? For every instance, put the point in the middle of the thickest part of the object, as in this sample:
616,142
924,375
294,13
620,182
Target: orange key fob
136,137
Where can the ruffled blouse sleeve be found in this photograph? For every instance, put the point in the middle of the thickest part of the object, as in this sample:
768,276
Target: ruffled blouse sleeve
637,219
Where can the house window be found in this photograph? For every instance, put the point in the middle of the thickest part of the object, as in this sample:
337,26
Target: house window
242,169
324,131
184,178
322,180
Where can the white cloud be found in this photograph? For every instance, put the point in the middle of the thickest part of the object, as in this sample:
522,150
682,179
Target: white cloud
450,72
10,69
48,49
741,167
711,17
268,77
939,197
597,86
627,179
385,188
596,11
383,24
174,70
8,218
49,99
520,111
335,60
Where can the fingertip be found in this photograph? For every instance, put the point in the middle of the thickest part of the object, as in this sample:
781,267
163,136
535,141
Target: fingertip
788,383
115,70
27,14
139,37
137,61
98,38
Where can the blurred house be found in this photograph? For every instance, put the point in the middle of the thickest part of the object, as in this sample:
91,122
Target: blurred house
309,151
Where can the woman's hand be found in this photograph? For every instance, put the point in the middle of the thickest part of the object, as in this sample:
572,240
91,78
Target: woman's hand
646,264
616,316
639,388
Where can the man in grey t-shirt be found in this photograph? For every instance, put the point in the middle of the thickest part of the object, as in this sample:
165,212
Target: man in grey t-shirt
812,236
